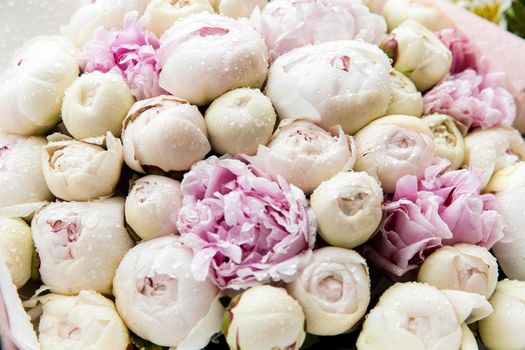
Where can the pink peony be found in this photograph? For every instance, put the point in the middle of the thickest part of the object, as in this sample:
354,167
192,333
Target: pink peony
244,229
464,55
131,51
472,99
444,208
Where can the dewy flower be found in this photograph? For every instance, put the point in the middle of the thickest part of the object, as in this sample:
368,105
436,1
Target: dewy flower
444,208
287,25
348,208
159,299
448,140
206,55
418,316
131,52
472,100
508,186
463,267
16,249
237,8
333,290
228,209
32,88
22,182
464,54
86,321
392,147
108,14
80,244
80,171
153,205
398,11
488,151
164,132
340,82
95,104
264,317
405,100
418,53
163,13
239,121
491,10
306,155
503,329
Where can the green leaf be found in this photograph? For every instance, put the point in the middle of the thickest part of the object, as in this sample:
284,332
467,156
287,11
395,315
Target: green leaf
515,17
35,265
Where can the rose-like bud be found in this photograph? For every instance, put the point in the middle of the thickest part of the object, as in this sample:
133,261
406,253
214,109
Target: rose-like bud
394,146
464,54
16,249
341,82
463,267
306,155
419,316
503,329
238,8
31,90
398,11
490,150
164,132
405,100
508,186
348,208
333,289
95,104
448,140
239,121
418,53
80,244
205,55
160,301
87,321
264,317
22,183
153,205
163,13
80,171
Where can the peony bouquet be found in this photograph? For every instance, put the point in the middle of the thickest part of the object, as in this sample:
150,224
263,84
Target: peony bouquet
265,175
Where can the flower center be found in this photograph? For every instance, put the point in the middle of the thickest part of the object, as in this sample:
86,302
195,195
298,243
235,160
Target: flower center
350,204
331,288
159,286
443,135
420,326
67,232
341,63
67,330
472,274
209,31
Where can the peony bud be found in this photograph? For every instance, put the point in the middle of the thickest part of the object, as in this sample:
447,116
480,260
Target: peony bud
80,171
87,321
95,104
16,249
164,132
462,267
305,155
160,301
22,183
418,316
205,55
398,11
264,317
80,244
163,13
153,205
503,329
405,98
239,121
31,90
418,53
238,8
448,140
392,147
348,208
334,290
508,185
340,82
490,150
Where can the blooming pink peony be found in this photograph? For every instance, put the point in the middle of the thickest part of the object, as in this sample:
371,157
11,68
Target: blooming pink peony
130,51
473,100
289,24
464,55
243,228
444,208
